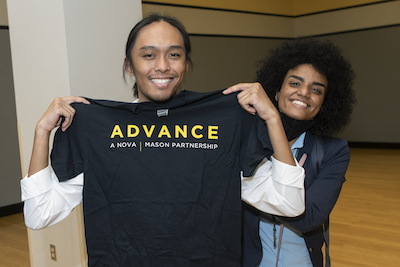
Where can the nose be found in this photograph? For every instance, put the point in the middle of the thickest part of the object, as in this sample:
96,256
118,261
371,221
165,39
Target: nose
162,64
304,91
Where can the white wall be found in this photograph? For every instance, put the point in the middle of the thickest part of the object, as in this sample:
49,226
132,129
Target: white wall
60,48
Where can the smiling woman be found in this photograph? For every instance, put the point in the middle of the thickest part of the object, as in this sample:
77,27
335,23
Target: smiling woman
310,83
302,93
326,59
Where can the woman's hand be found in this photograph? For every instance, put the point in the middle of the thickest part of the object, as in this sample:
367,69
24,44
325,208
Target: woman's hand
254,99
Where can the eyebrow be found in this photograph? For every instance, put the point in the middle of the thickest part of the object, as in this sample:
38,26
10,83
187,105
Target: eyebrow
302,79
156,48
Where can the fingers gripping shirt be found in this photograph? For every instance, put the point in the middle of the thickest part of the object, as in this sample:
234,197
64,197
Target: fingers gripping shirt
162,181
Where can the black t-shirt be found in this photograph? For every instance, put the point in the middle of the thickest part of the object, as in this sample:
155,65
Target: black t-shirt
162,181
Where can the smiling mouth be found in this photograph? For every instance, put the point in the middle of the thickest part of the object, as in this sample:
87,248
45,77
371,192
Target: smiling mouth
161,81
299,103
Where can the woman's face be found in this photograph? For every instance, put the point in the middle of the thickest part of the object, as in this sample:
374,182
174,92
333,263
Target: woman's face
302,93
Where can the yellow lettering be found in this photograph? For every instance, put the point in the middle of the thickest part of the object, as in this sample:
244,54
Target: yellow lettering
194,134
147,131
117,131
179,130
212,132
164,131
129,130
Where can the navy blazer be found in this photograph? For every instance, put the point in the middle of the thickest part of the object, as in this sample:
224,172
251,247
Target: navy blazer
322,185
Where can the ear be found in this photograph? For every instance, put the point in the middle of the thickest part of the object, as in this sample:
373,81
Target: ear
187,66
128,68
277,96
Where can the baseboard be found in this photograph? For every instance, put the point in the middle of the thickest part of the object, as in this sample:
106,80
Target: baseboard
374,145
11,209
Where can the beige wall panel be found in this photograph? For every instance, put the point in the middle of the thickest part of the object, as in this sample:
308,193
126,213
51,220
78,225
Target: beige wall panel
349,19
201,21
3,13
283,7
301,7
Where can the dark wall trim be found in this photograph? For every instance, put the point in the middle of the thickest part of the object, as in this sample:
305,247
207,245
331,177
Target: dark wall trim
261,13
359,30
285,38
374,145
343,8
3,27
239,36
11,209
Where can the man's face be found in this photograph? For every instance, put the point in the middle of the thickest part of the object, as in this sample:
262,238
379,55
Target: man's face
158,61
302,93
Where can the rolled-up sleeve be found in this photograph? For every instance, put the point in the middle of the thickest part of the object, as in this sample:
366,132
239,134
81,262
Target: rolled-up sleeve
48,201
276,188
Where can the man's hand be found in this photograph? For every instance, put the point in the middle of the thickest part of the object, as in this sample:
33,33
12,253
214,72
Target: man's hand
60,107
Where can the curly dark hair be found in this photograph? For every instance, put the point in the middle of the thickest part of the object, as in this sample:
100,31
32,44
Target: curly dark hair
327,59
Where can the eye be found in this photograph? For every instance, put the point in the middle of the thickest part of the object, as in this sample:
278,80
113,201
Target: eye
148,55
317,91
295,84
175,55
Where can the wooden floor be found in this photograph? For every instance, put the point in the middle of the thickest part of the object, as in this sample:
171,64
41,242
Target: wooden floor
14,250
365,223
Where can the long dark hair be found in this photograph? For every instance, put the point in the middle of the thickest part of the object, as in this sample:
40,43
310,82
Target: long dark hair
151,18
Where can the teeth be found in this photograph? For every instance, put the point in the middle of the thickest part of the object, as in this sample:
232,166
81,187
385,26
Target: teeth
297,102
161,81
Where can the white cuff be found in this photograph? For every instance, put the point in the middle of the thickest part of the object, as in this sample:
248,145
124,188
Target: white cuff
287,174
36,184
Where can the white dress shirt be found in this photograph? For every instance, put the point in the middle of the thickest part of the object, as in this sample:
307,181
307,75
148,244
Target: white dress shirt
275,188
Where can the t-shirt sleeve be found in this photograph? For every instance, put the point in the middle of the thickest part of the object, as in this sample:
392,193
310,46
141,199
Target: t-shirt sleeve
256,145
66,155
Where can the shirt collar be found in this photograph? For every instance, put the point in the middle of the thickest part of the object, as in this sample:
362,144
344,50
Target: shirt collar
136,107
299,142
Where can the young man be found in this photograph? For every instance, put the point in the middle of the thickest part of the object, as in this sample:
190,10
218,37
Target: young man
162,176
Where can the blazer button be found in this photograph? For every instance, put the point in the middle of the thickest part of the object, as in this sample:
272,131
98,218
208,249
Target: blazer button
310,249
